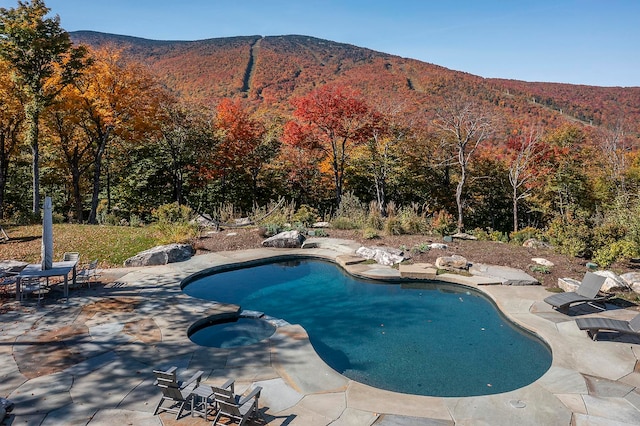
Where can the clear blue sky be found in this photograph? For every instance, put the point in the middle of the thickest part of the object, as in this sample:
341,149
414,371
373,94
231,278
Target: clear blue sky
595,42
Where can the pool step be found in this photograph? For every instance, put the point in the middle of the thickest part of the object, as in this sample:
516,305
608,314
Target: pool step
420,271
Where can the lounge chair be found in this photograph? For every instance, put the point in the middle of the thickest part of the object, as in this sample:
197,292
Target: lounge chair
586,292
234,407
595,325
179,394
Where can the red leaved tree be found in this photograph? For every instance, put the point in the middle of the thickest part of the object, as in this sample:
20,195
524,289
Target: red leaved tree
333,120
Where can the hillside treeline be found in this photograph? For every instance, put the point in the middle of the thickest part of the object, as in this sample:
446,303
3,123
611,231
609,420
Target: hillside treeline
111,143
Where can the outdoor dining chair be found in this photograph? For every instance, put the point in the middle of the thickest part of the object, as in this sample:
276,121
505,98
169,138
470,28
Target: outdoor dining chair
177,394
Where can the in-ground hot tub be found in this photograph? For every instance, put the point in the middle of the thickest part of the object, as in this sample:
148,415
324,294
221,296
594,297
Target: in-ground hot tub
230,331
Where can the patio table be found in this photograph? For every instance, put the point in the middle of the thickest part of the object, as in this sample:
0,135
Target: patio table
58,269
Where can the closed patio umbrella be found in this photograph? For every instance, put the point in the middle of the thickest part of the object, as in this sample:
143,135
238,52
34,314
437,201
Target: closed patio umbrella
47,234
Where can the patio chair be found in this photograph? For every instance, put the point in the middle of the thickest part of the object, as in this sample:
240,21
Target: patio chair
596,325
71,255
87,274
236,408
587,292
178,394
34,286
204,401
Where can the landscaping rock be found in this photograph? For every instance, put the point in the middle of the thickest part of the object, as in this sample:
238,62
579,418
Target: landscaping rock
613,282
504,274
535,243
463,236
382,255
568,284
438,246
321,225
633,280
287,239
542,261
454,263
161,255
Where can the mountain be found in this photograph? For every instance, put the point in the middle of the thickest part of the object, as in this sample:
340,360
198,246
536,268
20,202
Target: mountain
269,71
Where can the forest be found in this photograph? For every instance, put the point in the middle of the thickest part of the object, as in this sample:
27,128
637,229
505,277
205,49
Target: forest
115,129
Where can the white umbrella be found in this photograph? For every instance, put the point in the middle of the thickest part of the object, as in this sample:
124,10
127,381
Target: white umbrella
47,234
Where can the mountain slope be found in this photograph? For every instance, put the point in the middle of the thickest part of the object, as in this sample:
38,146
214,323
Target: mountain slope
269,71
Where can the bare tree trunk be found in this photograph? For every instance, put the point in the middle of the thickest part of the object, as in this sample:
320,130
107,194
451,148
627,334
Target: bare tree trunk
32,112
515,209
463,178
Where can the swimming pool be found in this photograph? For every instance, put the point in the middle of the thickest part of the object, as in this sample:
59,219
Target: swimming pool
411,337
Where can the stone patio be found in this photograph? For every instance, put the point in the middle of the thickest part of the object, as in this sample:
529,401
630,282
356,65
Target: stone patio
89,360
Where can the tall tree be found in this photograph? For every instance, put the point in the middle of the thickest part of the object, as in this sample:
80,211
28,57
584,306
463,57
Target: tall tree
38,50
118,99
11,122
464,125
524,150
332,119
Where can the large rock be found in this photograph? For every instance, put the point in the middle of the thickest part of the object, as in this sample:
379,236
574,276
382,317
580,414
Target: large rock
568,284
535,243
505,274
542,261
613,282
455,262
382,255
161,255
633,280
287,239
464,236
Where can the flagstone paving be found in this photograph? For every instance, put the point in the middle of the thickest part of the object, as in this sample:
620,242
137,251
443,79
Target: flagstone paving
89,361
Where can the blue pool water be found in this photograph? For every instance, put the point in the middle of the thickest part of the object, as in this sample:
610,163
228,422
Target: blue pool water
417,338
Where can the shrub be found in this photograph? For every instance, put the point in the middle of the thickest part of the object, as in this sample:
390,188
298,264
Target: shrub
344,223
420,248
393,226
480,234
522,235
615,251
305,215
172,213
375,219
181,233
443,223
571,236
412,221
370,234
352,210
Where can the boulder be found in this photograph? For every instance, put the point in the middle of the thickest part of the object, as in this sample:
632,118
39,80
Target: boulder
535,243
382,255
455,262
438,246
613,282
568,284
633,280
542,261
463,236
161,255
287,239
321,225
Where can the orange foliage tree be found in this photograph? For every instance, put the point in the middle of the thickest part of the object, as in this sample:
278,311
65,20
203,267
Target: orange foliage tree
116,99
333,120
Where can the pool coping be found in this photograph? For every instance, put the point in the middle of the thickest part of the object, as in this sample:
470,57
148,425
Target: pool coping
588,382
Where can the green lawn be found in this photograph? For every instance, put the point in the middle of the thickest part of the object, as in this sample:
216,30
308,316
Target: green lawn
111,245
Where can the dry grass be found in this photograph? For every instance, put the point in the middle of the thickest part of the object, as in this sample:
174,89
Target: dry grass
111,245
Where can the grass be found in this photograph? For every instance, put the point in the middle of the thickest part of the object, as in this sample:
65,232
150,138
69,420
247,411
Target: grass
111,245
